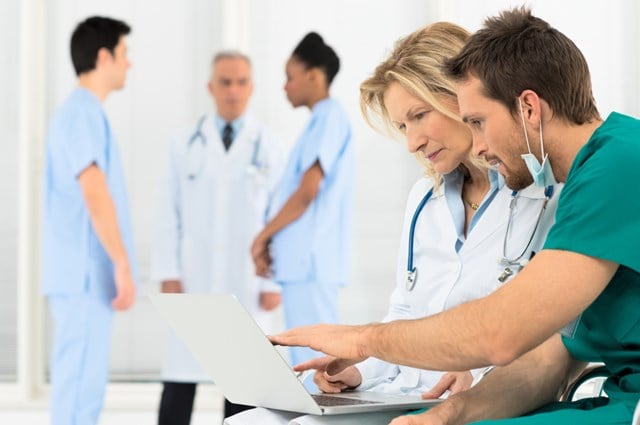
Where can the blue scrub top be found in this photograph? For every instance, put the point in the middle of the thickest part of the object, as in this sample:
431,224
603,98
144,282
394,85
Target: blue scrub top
73,259
317,246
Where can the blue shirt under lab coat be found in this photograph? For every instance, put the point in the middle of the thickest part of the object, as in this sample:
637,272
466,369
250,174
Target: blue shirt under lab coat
317,246
73,259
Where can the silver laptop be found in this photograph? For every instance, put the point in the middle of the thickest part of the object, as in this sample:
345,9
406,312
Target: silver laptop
235,353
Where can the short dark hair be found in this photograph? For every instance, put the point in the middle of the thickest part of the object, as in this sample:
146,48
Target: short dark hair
314,53
516,51
90,36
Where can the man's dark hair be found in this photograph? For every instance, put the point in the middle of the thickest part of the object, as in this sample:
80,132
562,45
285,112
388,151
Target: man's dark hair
314,53
90,36
516,51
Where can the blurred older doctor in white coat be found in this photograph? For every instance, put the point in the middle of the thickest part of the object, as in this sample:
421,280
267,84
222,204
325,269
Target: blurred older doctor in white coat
213,201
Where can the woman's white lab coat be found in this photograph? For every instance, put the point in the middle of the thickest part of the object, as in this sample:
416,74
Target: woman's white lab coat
447,278
212,203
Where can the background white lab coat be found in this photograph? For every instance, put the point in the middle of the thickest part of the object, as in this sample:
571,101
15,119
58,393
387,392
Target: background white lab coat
212,203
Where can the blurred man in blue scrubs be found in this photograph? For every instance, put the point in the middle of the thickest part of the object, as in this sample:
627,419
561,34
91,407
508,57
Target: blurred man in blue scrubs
309,233
87,257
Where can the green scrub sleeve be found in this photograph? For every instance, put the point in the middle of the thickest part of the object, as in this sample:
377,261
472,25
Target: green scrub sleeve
599,208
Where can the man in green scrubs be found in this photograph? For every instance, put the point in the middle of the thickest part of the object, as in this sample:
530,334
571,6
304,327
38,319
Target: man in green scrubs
525,91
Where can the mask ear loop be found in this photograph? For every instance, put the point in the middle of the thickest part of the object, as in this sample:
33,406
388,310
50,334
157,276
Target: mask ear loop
541,140
524,127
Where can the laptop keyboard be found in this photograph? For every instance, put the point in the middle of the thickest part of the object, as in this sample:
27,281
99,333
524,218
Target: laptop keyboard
329,400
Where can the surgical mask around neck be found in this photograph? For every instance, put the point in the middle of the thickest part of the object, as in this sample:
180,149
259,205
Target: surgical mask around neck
542,174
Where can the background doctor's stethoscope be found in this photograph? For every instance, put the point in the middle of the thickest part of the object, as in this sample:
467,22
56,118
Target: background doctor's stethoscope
196,154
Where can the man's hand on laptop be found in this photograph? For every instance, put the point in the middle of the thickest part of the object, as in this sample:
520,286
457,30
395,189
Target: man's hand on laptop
347,379
346,343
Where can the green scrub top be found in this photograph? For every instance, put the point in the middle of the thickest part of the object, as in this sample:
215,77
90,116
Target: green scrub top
599,215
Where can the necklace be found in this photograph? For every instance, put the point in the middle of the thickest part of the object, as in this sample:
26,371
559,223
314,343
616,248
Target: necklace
473,205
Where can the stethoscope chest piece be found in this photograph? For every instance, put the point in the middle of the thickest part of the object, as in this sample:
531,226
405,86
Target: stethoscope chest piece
412,277
505,274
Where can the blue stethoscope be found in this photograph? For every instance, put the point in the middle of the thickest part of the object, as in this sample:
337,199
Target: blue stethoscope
254,167
510,264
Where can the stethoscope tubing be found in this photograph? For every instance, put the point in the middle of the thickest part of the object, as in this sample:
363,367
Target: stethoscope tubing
199,135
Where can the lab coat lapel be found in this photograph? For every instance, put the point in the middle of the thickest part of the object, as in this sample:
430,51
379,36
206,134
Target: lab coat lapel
498,212
448,229
215,148
243,142
494,219
435,211
241,149
224,160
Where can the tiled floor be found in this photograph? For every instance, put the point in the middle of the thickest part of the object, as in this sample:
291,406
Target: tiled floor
137,405
109,417
125,404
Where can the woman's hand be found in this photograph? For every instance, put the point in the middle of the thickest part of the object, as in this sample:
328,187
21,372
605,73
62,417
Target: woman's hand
348,378
455,382
261,256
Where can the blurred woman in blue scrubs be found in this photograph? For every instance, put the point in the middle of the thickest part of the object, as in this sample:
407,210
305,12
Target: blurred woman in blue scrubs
306,244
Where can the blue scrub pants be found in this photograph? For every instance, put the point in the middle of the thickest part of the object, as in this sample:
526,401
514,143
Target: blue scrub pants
308,303
80,358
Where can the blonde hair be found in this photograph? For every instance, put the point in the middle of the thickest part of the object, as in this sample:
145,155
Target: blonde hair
416,63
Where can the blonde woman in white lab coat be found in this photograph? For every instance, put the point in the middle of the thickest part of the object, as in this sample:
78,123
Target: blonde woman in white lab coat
213,200
459,233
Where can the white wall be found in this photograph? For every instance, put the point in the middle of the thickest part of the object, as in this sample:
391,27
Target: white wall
605,31
8,165
171,47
